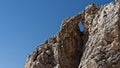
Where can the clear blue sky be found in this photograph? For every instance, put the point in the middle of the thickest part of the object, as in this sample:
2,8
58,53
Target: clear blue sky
24,24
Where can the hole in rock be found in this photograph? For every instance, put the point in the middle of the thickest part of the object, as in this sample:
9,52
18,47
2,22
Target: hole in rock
81,26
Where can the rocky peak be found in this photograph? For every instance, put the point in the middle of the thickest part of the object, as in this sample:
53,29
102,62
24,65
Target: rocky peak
98,46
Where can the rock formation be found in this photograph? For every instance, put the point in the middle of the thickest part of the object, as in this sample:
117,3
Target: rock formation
98,46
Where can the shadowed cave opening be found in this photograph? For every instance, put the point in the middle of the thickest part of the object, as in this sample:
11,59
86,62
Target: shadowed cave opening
84,38
81,26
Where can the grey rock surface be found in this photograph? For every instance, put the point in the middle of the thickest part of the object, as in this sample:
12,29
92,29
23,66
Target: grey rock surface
98,46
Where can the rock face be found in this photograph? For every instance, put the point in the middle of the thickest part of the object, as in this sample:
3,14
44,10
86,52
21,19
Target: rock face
98,46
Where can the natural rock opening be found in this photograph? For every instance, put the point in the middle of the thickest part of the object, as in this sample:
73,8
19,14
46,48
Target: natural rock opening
81,26
82,46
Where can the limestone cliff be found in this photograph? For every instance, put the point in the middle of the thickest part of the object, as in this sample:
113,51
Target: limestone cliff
98,46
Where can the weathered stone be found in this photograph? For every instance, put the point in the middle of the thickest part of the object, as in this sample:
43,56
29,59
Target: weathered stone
98,46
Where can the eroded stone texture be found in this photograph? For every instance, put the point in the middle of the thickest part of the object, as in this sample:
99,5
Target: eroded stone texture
97,47
102,49
62,50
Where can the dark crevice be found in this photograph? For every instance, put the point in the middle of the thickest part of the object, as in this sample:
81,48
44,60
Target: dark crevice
84,37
